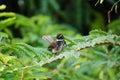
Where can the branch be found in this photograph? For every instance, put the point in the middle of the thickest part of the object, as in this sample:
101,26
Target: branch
75,48
109,39
97,2
114,5
66,54
54,58
99,43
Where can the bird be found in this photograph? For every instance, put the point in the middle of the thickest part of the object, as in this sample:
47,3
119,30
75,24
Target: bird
57,45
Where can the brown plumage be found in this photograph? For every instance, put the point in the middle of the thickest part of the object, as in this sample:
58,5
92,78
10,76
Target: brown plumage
55,45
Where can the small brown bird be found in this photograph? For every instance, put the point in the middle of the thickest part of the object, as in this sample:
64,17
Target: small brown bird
55,45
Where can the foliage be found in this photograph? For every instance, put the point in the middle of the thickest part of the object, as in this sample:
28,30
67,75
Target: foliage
114,27
31,29
24,55
84,15
22,61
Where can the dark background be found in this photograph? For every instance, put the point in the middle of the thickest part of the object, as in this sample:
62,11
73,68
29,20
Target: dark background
80,14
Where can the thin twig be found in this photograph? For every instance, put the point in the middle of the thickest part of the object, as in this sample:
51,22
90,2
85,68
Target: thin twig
116,9
112,10
97,2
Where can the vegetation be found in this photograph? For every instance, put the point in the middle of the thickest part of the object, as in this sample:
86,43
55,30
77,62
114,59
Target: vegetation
93,45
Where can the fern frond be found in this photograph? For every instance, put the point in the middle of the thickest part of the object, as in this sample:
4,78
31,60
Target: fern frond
7,14
60,56
55,58
108,39
5,58
40,53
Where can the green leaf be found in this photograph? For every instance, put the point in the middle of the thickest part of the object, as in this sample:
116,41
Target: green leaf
101,1
110,63
111,73
38,52
2,7
33,76
37,68
98,32
5,58
7,14
99,63
7,22
3,35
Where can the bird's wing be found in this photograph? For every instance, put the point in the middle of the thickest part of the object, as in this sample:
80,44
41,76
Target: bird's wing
48,38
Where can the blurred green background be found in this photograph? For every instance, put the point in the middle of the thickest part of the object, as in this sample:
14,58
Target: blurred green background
26,21
81,15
